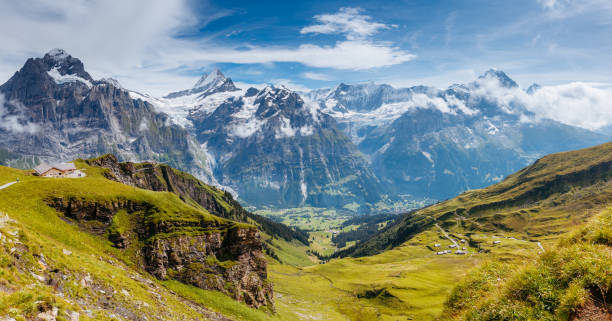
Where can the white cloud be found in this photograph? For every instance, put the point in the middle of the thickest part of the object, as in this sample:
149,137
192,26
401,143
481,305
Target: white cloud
579,104
135,41
316,76
347,21
586,105
346,55
12,118
552,4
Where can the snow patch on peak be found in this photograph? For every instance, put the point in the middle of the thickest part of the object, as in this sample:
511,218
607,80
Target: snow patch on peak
68,78
58,54
245,121
210,80
111,81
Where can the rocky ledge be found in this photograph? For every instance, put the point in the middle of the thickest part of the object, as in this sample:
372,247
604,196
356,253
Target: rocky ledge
213,254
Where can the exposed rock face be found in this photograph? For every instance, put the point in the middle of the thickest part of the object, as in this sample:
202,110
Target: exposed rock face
224,257
52,109
436,143
160,177
276,150
230,262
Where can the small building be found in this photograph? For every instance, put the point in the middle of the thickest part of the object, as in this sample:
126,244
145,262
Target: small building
55,170
460,252
496,242
441,253
462,241
437,245
452,246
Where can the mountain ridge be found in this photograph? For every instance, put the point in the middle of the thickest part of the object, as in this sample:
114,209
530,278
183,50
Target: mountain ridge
542,187
402,145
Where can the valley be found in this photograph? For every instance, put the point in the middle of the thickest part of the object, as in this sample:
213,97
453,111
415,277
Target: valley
407,280
357,202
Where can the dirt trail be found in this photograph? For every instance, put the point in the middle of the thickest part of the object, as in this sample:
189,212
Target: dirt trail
7,185
447,236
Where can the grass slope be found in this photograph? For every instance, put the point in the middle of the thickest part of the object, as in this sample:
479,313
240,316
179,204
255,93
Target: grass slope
409,282
50,265
403,278
571,281
540,202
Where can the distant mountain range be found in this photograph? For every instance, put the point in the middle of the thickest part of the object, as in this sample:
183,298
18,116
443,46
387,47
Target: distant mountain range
436,143
359,148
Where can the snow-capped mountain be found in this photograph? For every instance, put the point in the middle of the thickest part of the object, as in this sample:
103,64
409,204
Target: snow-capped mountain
52,109
277,151
208,84
358,147
205,96
437,143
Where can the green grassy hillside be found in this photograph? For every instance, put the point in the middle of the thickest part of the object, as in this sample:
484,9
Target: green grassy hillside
397,274
571,281
161,177
539,202
51,264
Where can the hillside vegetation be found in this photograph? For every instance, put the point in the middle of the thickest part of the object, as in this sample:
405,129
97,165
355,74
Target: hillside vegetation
62,256
540,202
572,281
527,253
399,275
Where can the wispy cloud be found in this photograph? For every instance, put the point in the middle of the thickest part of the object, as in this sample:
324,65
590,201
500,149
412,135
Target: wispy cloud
357,51
138,42
290,84
561,9
347,55
316,76
12,117
348,21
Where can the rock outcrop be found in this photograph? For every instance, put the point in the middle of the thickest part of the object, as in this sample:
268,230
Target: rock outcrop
192,247
160,177
62,113
230,262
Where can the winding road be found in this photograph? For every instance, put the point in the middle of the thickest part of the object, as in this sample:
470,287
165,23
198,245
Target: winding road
447,236
7,185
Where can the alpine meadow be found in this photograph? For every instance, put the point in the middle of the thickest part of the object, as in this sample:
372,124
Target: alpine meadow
311,160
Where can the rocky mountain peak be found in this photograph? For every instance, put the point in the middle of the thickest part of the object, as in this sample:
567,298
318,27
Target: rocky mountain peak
60,63
57,55
216,77
500,76
208,84
272,100
533,88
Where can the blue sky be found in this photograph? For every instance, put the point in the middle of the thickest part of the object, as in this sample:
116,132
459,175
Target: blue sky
160,46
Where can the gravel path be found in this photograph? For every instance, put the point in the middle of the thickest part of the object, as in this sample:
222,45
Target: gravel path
7,185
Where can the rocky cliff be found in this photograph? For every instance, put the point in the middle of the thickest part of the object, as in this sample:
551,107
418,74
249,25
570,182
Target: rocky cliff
171,239
52,109
277,151
161,177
